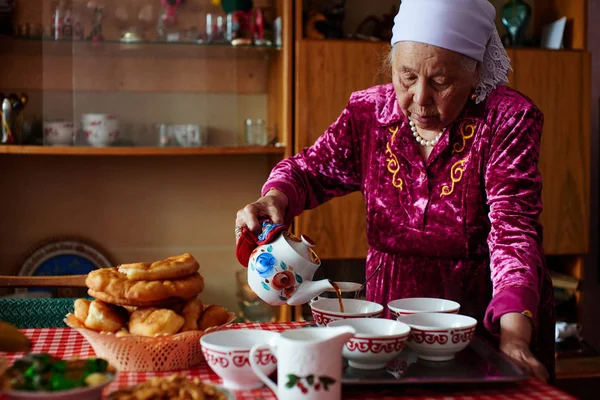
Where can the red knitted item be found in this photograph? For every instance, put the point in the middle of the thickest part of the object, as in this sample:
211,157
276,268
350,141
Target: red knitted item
248,241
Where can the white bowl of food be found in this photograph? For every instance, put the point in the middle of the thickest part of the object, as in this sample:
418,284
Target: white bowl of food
326,310
439,336
375,343
414,305
227,352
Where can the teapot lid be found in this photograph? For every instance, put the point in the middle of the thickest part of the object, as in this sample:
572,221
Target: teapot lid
303,246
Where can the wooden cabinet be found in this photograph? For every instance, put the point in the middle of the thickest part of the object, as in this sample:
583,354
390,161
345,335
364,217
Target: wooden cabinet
151,82
327,72
557,81
139,201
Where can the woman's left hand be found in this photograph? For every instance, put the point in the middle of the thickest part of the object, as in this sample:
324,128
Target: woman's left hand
519,352
515,335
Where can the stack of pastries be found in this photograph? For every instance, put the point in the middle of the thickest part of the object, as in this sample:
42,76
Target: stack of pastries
148,299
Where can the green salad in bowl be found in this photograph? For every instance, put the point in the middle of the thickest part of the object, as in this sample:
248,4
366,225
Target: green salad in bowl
42,375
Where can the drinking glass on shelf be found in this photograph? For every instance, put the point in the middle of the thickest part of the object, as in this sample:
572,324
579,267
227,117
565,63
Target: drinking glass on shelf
210,28
164,137
256,132
215,28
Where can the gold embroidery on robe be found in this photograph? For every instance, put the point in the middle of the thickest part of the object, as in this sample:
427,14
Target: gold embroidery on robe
456,174
392,161
467,131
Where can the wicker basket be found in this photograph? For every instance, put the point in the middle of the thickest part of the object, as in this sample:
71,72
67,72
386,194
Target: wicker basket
140,353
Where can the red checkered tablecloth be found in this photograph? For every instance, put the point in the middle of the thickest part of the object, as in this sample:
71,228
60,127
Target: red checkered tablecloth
67,343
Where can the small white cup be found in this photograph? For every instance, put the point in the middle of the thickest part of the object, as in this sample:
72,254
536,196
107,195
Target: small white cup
100,130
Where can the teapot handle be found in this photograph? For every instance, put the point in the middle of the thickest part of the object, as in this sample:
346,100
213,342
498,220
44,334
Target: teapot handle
256,369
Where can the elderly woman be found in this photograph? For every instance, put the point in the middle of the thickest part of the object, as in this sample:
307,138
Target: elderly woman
447,160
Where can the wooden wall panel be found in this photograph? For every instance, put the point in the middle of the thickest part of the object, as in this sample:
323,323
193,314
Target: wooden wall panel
280,82
558,82
137,209
327,72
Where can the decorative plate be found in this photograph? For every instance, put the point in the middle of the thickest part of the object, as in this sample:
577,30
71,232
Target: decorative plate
88,393
62,256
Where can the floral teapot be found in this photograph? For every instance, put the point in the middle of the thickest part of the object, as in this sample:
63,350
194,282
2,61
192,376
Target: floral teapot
281,272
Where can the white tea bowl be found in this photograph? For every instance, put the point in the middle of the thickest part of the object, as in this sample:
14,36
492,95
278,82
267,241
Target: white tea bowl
60,133
438,336
350,290
376,341
413,305
227,352
326,310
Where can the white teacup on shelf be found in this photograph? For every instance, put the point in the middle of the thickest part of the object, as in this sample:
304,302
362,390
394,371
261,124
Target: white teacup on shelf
59,133
100,130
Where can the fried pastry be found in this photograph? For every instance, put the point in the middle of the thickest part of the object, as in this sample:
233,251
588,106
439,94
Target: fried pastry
174,387
130,309
171,302
81,307
122,332
213,315
104,317
155,321
191,312
111,282
175,267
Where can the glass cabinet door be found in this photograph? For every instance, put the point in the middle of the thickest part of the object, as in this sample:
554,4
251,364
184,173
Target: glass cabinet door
142,76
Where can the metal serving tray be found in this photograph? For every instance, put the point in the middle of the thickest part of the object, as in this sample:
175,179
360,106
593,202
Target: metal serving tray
478,363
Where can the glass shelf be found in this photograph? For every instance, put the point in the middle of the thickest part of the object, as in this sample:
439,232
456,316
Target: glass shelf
116,48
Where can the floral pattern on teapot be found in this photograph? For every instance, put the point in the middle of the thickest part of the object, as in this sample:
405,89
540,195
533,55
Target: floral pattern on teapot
276,275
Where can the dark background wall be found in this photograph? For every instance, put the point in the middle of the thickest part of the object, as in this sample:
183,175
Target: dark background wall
591,285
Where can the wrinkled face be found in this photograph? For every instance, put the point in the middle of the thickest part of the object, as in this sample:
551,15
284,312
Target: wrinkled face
432,84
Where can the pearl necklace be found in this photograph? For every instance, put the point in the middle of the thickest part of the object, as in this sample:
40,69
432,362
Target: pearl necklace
419,138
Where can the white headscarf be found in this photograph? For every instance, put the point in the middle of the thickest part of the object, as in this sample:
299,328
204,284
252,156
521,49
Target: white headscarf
463,26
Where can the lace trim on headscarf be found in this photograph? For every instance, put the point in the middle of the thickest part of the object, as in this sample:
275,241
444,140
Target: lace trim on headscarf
494,69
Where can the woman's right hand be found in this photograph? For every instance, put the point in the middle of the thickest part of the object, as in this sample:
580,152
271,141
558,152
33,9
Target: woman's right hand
271,206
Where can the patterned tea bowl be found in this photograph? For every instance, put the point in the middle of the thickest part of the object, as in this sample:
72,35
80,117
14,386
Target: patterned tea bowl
326,310
375,343
439,336
227,351
60,133
414,305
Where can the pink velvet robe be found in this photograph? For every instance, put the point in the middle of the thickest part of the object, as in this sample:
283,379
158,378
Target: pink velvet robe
461,226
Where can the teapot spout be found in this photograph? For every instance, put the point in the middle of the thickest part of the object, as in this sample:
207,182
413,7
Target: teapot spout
309,290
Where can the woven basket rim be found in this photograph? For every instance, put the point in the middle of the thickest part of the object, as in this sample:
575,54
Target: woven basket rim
136,338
